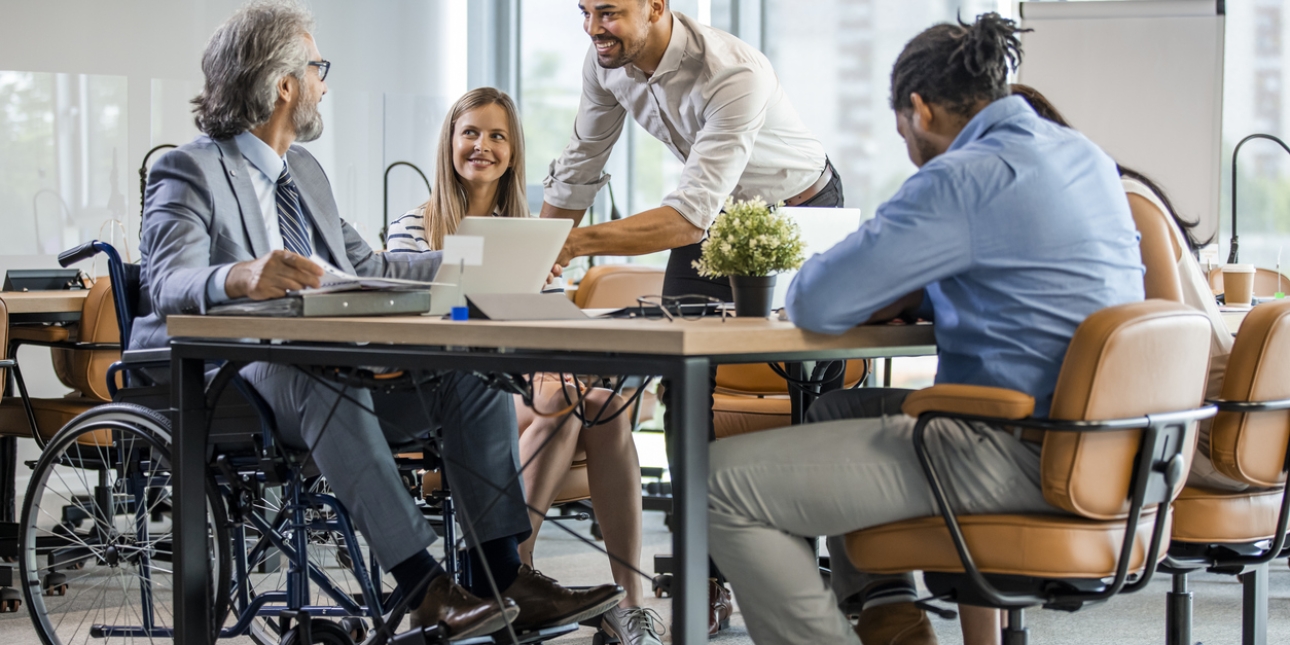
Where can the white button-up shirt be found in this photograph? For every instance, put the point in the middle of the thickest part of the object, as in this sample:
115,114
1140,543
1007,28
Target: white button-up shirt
716,103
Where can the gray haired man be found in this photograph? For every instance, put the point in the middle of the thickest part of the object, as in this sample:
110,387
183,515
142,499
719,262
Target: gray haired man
236,214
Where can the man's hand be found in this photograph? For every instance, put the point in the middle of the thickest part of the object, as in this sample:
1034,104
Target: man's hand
556,271
271,276
567,254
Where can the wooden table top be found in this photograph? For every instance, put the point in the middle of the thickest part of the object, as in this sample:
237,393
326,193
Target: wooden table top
707,337
44,302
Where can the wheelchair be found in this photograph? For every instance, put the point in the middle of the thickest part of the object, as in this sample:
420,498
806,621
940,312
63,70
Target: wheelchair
285,563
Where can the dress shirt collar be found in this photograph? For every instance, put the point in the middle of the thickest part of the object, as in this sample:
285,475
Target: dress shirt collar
672,56
264,158
985,120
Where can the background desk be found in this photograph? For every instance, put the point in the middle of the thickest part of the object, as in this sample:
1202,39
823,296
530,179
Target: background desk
26,307
44,306
681,351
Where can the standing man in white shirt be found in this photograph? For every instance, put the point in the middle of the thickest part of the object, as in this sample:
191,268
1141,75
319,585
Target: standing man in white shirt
716,103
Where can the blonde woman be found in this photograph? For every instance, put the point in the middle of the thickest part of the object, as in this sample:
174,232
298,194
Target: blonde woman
480,172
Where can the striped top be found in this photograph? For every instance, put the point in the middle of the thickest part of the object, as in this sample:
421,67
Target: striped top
407,234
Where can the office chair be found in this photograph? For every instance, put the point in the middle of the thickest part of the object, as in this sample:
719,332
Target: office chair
1230,532
1115,448
81,354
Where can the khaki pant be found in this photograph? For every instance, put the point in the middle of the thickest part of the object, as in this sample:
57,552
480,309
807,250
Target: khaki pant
768,490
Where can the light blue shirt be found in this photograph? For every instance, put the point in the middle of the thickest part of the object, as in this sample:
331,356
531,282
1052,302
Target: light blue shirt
265,167
1016,234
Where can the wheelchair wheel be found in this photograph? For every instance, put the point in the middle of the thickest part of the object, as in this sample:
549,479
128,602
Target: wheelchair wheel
100,498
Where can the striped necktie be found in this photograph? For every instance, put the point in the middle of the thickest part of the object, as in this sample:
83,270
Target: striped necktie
291,219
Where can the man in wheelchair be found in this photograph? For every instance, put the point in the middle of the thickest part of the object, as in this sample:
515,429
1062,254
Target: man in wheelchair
236,214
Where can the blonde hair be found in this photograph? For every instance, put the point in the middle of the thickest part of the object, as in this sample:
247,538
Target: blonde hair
448,202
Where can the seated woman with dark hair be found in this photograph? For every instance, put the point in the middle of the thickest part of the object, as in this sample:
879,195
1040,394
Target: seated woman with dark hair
1173,275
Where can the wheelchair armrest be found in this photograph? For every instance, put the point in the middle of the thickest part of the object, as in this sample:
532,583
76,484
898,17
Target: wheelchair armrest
974,400
137,356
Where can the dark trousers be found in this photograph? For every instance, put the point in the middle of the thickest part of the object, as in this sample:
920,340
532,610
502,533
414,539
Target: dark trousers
681,278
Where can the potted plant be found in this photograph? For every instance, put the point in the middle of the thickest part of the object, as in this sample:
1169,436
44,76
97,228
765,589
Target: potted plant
750,242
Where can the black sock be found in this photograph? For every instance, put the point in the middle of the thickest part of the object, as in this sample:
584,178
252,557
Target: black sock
412,571
503,556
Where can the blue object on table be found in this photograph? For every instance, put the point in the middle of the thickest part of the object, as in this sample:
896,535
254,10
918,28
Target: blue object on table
460,313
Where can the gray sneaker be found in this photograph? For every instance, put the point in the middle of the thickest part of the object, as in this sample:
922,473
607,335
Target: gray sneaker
633,625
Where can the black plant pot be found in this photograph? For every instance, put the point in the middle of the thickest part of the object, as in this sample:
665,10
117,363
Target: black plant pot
753,294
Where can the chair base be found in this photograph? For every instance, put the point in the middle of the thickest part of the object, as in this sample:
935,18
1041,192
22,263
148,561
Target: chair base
1254,608
959,588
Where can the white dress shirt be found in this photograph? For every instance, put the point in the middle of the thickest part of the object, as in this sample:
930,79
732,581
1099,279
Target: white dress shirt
265,166
715,102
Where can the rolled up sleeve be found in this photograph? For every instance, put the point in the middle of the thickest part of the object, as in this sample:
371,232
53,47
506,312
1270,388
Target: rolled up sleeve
735,113
577,175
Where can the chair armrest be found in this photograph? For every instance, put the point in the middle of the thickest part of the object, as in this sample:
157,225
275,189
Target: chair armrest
974,400
136,356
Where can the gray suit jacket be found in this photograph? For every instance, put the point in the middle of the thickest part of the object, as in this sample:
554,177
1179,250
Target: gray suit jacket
201,212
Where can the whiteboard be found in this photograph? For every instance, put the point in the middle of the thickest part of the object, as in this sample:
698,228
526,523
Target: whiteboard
1143,80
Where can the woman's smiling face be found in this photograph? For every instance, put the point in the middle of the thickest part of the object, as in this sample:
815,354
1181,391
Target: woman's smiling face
481,144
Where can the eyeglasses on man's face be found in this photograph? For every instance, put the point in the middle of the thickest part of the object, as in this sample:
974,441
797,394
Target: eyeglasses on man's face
323,66
685,307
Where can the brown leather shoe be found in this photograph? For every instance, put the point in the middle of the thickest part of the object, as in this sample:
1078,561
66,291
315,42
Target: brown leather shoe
543,603
719,607
898,623
462,613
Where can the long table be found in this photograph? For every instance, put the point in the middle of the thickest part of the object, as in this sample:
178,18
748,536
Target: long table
681,351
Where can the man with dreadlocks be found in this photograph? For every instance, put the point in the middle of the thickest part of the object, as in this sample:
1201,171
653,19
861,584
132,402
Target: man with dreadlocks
1012,231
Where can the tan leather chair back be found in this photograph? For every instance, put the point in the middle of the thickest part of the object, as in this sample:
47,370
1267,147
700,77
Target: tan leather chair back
1252,447
4,347
86,370
1124,361
758,379
1160,253
617,285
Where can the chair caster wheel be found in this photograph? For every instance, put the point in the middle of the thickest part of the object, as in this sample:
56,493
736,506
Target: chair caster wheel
54,584
10,600
662,585
356,628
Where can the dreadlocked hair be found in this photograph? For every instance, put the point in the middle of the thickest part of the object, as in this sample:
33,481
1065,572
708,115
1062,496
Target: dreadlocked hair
957,66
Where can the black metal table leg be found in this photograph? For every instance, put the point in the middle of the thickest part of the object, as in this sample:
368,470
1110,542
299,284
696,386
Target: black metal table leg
690,503
192,585
8,477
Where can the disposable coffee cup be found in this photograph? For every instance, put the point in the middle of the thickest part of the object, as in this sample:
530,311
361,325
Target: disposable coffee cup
1238,283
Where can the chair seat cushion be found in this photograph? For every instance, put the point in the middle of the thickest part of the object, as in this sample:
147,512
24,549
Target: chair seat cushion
1217,517
51,416
573,487
1042,546
734,414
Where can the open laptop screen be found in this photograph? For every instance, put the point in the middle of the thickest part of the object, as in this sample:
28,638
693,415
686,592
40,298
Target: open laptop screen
822,228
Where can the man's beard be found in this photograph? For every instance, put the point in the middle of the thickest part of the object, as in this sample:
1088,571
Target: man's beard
926,149
307,121
627,55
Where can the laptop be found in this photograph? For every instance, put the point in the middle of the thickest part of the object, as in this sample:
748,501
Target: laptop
518,255
822,228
